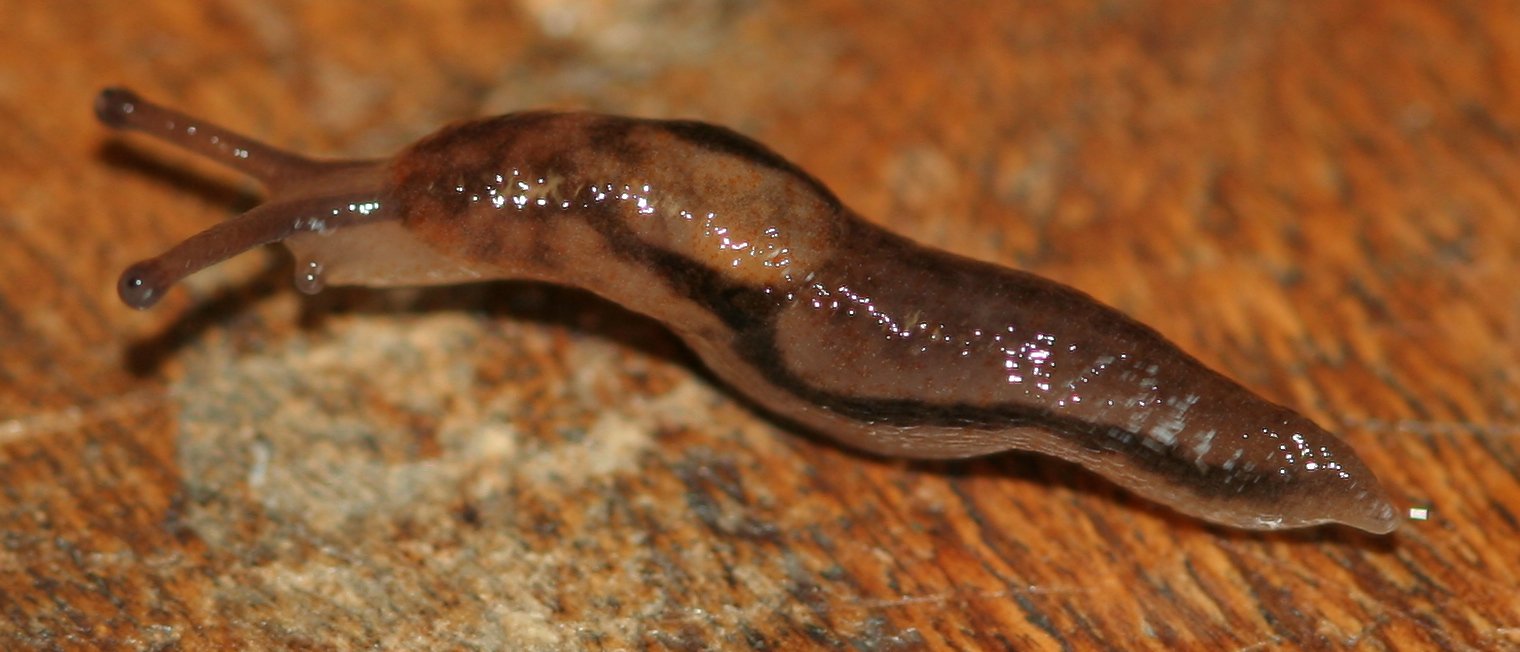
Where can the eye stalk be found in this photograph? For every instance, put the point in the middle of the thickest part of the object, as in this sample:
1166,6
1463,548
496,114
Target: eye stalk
293,206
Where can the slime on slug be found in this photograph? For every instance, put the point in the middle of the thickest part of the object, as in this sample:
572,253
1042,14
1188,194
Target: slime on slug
786,294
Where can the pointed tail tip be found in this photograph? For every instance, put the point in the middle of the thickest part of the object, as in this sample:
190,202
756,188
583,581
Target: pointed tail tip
1377,516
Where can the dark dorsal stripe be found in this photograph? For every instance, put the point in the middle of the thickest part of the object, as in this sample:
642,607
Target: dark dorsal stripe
726,141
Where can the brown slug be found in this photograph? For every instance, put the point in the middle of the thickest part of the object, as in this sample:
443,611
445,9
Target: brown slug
789,296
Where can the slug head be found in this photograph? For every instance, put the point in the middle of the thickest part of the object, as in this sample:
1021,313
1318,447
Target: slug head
305,196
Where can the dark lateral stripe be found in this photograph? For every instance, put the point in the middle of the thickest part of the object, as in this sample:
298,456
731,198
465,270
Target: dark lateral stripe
751,314
758,348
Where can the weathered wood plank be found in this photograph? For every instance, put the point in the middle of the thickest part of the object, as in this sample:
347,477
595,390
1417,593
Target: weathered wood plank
1318,198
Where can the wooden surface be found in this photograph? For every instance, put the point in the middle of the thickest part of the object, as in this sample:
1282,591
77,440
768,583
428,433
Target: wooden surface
1321,199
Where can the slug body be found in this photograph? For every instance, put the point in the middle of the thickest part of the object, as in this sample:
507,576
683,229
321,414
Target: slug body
812,312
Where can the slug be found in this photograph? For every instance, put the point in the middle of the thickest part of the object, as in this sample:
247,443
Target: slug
825,319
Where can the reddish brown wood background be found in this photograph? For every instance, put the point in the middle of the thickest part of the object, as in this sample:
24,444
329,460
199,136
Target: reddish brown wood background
1320,198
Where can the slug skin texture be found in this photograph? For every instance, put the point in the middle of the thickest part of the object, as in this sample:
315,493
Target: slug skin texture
789,296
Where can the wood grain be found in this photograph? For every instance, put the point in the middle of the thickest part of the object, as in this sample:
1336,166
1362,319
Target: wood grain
1318,198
